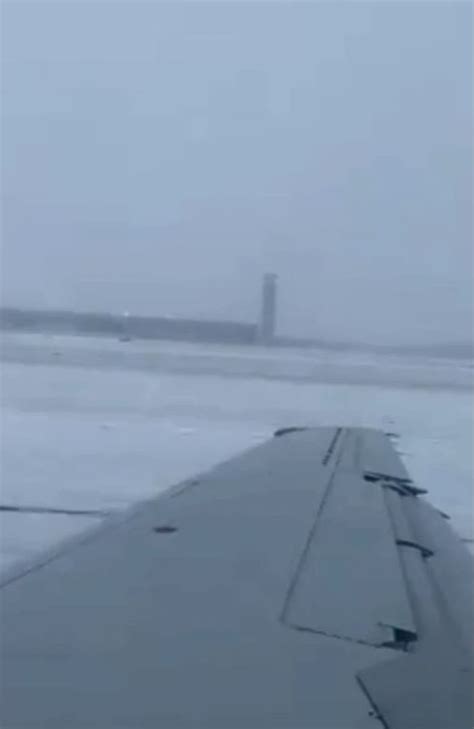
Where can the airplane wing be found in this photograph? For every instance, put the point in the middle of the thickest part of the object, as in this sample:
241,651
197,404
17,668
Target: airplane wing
303,584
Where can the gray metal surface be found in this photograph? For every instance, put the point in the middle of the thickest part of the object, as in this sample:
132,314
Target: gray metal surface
428,690
350,582
177,614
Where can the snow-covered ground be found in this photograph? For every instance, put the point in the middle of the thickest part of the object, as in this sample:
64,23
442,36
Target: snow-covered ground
90,424
303,365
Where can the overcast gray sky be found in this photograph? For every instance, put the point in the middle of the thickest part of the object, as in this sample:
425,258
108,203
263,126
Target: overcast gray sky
159,157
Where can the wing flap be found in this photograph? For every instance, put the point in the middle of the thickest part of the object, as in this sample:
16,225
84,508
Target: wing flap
350,583
379,458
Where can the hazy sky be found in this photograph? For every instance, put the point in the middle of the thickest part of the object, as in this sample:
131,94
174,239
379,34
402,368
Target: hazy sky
159,157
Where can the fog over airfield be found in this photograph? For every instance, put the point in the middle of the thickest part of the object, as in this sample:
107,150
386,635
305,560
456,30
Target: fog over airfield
159,157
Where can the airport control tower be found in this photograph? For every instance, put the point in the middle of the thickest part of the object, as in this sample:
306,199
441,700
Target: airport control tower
268,313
